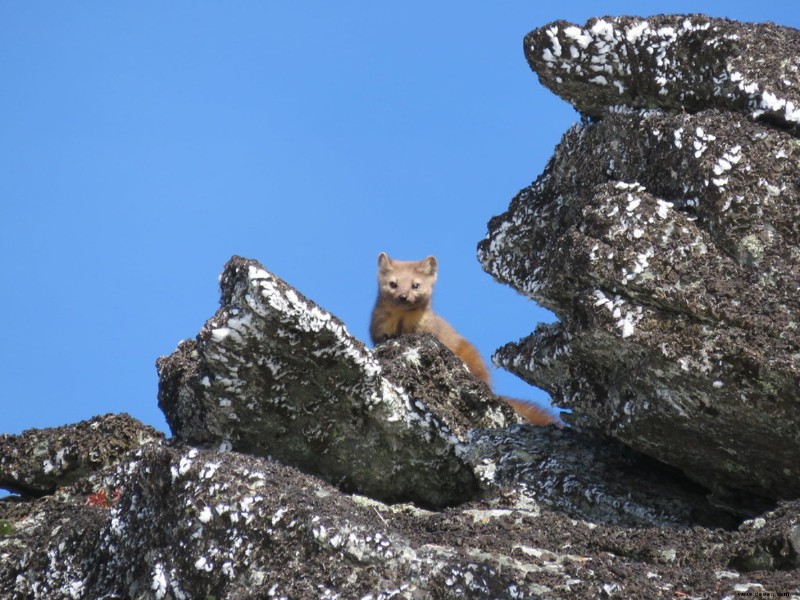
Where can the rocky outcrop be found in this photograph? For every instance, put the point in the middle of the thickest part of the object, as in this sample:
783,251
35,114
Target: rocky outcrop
664,234
305,465
39,461
674,63
173,521
210,515
273,374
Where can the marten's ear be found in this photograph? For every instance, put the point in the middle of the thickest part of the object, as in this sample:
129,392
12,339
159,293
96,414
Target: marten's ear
384,261
429,265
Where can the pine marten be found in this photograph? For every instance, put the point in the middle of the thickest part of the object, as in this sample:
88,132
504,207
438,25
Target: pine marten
405,291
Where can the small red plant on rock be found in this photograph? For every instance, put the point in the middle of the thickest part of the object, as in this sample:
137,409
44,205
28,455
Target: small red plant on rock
100,498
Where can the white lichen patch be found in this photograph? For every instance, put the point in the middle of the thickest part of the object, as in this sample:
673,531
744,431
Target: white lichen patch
663,208
701,141
205,515
581,37
412,357
770,102
625,317
209,469
203,564
605,47
486,470
184,465
635,31
159,582
56,463
678,137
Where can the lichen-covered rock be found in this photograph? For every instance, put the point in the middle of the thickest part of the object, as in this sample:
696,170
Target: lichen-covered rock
594,479
273,374
769,542
191,523
667,244
671,62
200,524
424,368
39,461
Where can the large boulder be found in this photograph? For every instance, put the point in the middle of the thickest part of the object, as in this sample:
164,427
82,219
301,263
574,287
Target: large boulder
273,374
664,233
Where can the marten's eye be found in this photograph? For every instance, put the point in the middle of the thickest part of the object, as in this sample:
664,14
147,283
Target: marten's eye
393,285
415,286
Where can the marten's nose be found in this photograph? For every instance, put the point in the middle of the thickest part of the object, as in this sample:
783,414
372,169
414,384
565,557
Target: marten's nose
403,297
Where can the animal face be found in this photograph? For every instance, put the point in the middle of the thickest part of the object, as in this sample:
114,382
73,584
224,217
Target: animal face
405,283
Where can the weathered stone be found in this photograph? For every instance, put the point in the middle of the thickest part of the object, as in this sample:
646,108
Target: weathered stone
667,244
594,479
671,62
769,542
273,374
39,461
192,523
424,368
199,524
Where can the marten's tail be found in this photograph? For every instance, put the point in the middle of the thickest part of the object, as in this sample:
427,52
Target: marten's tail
472,358
532,413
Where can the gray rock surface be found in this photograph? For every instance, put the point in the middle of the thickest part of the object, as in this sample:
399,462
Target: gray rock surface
671,62
38,461
592,478
426,370
273,374
184,522
667,244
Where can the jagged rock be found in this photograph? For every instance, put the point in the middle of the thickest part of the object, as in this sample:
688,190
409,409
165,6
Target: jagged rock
190,523
585,476
273,374
667,245
671,62
39,461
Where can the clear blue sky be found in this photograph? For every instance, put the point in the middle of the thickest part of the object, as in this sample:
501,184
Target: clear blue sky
144,143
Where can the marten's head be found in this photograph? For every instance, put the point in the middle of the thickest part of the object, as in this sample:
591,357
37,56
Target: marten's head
408,284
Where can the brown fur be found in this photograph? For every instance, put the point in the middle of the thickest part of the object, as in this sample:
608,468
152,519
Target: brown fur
404,305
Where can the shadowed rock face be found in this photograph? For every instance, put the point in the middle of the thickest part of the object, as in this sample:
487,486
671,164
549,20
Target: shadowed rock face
667,243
